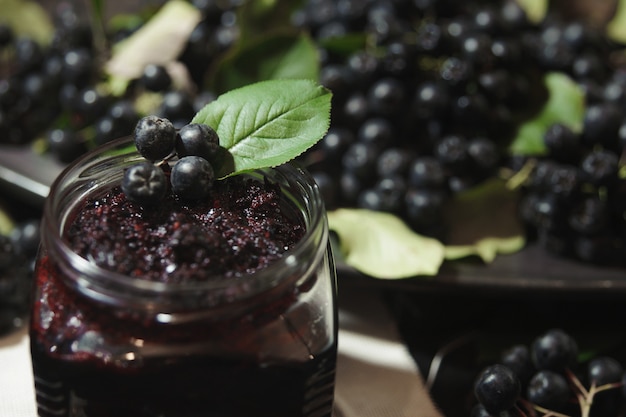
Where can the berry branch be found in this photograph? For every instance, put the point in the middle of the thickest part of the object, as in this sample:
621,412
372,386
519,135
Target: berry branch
585,397
538,380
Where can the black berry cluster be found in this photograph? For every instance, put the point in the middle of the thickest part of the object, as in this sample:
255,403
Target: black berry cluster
52,93
191,177
547,378
17,258
428,106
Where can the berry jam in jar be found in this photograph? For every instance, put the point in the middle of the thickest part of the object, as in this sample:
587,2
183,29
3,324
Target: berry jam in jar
223,307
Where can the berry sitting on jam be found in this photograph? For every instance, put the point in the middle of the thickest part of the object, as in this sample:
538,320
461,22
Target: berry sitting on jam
191,177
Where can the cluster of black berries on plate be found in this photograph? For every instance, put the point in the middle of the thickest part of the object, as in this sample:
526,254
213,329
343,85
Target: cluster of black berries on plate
191,177
52,95
428,107
18,250
546,378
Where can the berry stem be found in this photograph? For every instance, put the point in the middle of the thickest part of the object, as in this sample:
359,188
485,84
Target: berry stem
97,27
586,399
549,413
532,408
521,177
522,411
436,361
584,396
576,382
165,160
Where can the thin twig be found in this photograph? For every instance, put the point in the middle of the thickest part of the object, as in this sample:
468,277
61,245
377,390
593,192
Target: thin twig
435,363
548,413
574,380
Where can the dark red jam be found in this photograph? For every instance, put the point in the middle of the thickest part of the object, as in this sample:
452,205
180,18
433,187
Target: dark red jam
94,359
242,227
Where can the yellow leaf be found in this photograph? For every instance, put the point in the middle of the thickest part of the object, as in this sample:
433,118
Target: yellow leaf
158,41
6,222
27,18
383,246
535,9
616,28
487,248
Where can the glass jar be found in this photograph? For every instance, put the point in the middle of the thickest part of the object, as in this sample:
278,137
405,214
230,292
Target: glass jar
108,345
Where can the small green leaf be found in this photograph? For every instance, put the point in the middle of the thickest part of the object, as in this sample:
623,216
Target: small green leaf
125,21
383,246
97,7
484,222
346,44
260,17
148,102
536,10
268,123
616,28
6,222
272,57
27,18
565,104
529,139
159,41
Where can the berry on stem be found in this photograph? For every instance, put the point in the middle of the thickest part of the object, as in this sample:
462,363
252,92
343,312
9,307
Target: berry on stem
555,350
604,370
549,390
497,388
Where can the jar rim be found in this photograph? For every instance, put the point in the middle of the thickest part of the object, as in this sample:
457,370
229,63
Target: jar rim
312,243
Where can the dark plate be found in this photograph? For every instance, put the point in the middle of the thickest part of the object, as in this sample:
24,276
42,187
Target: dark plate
28,176
531,270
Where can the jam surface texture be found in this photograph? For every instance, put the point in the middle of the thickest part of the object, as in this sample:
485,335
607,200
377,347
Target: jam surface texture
240,228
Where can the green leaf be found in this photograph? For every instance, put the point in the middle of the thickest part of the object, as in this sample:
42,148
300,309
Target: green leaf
616,28
272,57
97,8
383,246
6,222
267,123
27,18
565,104
125,21
483,221
159,41
260,17
536,10
346,44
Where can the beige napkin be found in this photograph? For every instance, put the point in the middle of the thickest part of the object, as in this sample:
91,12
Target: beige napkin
376,376
17,395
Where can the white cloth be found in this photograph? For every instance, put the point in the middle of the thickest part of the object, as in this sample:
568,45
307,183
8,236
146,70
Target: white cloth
376,376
